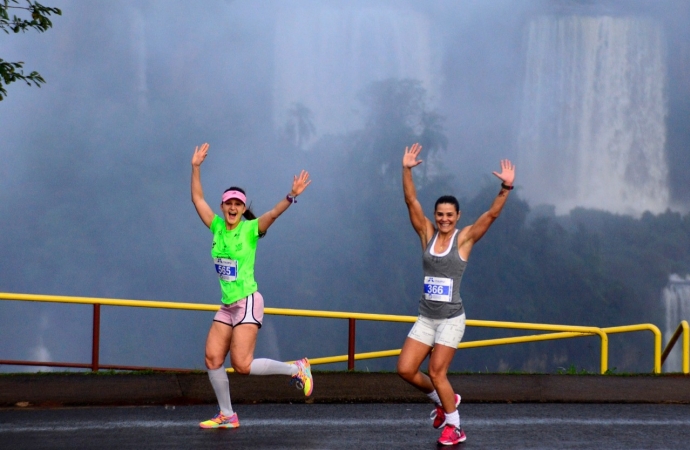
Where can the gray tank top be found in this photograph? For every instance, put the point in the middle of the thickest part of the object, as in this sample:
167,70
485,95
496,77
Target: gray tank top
442,278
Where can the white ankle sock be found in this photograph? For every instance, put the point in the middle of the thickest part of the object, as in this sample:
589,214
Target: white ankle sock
434,397
453,418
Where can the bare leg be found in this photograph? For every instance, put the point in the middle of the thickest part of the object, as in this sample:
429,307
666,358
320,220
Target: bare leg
439,363
242,347
411,357
217,344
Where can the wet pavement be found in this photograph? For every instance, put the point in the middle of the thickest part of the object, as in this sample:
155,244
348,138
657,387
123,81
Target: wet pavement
349,426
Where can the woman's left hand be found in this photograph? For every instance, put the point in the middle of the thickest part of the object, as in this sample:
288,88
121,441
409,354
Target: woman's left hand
300,183
507,175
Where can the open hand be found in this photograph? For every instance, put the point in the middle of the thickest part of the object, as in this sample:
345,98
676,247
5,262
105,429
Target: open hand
507,175
199,154
300,183
410,158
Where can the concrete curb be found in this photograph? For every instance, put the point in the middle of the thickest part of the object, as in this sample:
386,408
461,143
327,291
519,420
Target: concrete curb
84,389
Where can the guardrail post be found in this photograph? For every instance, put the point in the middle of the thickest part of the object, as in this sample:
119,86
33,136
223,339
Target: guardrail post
657,352
604,353
351,345
686,346
96,336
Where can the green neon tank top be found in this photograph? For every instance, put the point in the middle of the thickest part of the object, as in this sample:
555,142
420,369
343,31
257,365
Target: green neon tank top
238,245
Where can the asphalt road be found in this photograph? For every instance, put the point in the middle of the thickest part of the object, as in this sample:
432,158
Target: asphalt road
349,426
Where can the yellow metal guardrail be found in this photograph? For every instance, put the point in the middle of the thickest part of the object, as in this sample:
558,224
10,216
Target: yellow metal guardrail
683,329
560,331
642,327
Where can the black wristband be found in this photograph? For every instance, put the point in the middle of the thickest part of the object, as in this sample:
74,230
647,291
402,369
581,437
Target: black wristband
291,199
507,188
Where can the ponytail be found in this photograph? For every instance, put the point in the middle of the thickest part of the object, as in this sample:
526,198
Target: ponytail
248,214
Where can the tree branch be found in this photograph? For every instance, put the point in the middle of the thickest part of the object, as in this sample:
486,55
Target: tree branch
12,71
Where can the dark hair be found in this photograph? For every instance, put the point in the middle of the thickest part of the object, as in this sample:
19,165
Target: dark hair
248,213
449,199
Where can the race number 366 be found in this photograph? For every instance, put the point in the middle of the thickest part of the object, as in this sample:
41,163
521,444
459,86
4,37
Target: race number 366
438,289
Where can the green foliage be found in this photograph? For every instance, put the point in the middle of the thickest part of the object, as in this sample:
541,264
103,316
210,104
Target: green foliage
396,117
572,370
37,17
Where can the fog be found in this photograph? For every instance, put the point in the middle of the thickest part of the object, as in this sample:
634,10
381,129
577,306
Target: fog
94,180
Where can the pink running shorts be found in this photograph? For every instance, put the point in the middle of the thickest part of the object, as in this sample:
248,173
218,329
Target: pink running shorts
248,310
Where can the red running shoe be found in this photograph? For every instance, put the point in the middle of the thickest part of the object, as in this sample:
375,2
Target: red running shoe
452,435
438,415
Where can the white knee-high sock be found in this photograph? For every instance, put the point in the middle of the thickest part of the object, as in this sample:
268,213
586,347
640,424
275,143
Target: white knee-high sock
264,366
221,386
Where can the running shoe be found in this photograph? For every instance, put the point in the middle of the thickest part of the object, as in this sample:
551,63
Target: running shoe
438,415
303,379
452,435
221,421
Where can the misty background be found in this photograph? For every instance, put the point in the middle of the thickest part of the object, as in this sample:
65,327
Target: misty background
590,99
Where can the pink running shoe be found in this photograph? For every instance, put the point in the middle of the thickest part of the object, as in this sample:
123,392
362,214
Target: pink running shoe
452,435
438,415
221,421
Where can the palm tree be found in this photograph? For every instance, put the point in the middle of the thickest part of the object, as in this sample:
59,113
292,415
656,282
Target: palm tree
299,128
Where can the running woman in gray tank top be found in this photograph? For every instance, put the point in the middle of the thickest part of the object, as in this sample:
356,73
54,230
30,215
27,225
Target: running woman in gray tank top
441,321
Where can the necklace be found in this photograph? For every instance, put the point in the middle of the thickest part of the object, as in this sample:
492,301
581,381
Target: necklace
443,245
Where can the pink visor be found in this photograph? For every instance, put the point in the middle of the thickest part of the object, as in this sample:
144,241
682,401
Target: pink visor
234,194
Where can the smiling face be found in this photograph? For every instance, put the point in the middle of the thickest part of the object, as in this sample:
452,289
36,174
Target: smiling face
446,217
232,212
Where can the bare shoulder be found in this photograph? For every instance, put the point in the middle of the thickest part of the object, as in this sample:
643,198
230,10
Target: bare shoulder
429,232
465,244
464,235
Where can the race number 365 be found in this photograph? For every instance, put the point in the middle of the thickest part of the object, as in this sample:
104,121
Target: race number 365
226,268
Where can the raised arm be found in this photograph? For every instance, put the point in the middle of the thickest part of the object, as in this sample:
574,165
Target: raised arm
480,227
299,184
205,212
420,223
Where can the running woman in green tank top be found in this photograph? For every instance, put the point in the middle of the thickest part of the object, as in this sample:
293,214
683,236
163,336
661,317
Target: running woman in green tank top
441,322
234,329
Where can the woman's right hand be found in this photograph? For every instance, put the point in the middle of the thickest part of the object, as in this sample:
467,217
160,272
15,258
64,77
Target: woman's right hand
199,155
410,158
420,223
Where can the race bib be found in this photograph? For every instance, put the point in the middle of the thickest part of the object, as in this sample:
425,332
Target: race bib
226,268
438,289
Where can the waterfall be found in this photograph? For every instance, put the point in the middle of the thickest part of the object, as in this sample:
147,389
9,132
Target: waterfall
325,55
676,299
592,131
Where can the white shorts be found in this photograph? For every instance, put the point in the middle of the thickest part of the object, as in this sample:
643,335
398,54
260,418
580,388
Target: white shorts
446,332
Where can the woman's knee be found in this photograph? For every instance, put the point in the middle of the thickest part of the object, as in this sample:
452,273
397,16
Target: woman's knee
242,367
213,365
406,371
214,362
437,374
